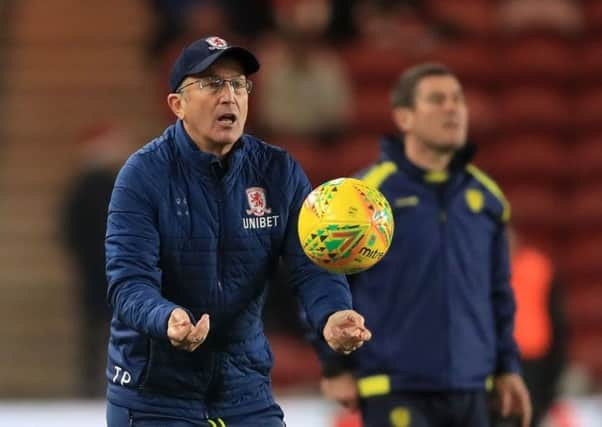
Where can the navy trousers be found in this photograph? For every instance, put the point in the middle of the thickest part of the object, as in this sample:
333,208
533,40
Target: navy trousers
118,416
427,409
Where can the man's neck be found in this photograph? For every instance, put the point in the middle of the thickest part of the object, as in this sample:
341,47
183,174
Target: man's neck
220,150
426,157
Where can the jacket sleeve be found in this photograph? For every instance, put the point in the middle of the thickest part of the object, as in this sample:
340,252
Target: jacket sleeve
334,364
504,306
132,256
320,293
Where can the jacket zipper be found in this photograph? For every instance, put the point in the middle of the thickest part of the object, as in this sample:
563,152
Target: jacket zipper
218,173
442,218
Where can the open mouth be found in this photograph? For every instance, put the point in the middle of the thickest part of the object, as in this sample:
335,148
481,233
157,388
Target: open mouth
226,119
451,125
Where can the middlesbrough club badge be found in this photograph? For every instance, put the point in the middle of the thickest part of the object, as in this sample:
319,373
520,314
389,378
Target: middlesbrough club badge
216,43
257,202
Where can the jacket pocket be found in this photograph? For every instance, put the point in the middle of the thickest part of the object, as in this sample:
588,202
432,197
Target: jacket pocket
177,373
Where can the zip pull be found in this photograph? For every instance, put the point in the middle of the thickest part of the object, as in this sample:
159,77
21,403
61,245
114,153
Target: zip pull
219,284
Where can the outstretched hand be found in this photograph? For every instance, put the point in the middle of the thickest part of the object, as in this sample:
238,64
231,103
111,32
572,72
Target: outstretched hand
183,334
342,389
345,331
514,397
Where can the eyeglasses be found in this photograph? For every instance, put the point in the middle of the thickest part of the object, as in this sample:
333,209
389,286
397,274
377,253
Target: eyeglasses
215,85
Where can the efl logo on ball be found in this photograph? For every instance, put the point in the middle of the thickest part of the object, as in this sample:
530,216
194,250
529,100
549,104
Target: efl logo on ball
345,225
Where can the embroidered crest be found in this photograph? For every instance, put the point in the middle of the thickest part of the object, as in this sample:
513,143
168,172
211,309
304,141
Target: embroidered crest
400,417
257,201
474,199
216,43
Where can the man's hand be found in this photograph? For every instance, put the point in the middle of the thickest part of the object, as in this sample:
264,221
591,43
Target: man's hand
183,334
345,331
341,388
514,397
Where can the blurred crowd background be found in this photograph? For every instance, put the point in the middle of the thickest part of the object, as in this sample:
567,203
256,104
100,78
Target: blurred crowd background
83,83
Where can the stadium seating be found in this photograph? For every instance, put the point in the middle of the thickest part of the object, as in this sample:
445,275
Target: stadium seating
589,63
586,158
537,58
537,207
468,17
588,109
472,60
534,107
529,157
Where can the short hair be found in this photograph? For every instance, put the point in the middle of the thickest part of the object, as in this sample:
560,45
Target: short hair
404,92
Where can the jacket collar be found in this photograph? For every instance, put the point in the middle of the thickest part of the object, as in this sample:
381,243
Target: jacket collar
206,163
392,148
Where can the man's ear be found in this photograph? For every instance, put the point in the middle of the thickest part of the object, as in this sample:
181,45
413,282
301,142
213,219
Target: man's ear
403,118
175,101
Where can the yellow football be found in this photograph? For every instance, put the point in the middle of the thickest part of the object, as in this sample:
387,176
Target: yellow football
345,226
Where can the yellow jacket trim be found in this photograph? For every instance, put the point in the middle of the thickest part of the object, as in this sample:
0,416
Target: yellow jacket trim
374,386
436,177
490,185
377,174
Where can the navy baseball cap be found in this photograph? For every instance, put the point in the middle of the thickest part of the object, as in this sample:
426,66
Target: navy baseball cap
201,54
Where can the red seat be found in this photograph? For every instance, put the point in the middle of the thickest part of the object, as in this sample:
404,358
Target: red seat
471,61
352,154
588,104
593,15
538,58
584,305
540,107
534,157
295,362
585,208
586,158
537,208
483,113
582,260
366,65
589,63
371,110
308,153
472,17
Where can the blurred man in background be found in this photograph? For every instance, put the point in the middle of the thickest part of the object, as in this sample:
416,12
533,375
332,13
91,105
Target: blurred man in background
440,301
541,327
83,225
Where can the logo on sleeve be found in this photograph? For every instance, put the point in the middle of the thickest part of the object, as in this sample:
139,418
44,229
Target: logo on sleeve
474,199
400,417
257,201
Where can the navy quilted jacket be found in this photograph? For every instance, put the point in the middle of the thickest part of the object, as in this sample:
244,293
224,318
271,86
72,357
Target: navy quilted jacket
439,303
185,229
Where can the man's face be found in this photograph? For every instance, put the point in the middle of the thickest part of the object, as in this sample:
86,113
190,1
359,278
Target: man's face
439,119
214,118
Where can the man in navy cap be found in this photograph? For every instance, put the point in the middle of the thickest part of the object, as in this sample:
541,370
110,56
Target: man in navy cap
198,221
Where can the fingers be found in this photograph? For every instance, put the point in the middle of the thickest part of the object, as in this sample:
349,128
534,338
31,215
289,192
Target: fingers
178,325
199,333
505,403
183,334
355,318
345,331
526,409
342,389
